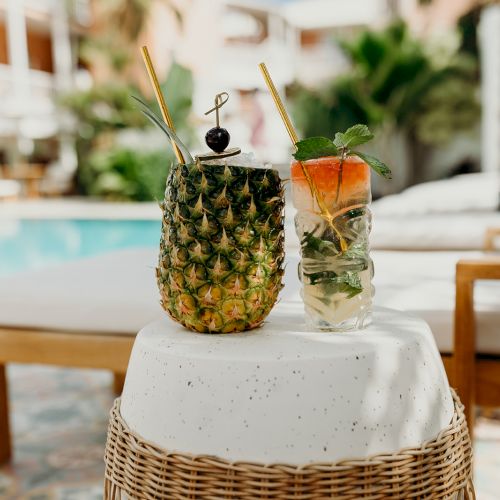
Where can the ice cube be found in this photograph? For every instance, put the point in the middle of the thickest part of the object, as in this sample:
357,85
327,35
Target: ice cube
241,159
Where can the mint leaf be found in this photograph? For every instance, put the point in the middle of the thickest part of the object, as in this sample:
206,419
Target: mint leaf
352,283
348,282
315,147
353,136
314,247
379,167
358,251
339,140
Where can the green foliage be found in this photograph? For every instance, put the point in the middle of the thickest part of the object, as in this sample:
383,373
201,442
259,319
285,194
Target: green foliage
392,80
468,27
108,107
105,110
102,108
116,41
337,106
125,174
179,87
446,108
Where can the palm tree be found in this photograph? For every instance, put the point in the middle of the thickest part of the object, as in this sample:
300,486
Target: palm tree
394,85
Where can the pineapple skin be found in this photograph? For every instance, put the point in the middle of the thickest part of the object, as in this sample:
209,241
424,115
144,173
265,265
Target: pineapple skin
222,246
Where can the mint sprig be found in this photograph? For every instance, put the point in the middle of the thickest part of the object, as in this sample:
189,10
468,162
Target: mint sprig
318,147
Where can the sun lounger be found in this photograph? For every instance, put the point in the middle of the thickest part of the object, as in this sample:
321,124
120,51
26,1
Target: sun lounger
78,314
452,214
423,283
86,313
111,293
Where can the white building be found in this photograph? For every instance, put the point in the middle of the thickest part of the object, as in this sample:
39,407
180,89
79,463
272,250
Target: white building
37,62
490,78
223,41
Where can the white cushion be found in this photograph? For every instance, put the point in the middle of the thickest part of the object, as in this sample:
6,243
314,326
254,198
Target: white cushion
117,293
423,283
433,231
113,293
451,214
463,193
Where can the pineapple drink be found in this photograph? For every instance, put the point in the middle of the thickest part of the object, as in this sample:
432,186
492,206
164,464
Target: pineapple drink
221,250
220,266
333,225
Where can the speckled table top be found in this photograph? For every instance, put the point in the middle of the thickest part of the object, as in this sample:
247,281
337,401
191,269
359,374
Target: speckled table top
286,394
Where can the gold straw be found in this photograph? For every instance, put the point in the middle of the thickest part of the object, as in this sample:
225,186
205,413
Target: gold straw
279,104
159,97
295,138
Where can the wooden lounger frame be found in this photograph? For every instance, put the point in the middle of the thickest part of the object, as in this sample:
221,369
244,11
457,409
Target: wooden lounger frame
477,377
75,349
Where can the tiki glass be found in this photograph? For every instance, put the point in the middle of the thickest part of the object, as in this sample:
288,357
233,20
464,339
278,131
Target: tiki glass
333,224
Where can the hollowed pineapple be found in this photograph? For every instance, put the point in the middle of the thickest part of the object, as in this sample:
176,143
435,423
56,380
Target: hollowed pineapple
221,251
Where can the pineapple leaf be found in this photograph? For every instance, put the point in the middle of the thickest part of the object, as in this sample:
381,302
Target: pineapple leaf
155,119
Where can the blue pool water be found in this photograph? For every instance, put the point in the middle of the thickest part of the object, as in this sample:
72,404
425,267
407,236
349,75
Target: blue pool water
33,244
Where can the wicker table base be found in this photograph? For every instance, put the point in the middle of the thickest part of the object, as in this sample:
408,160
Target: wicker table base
438,469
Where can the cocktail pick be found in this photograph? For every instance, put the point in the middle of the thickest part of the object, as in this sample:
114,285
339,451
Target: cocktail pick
279,104
161,100
218,138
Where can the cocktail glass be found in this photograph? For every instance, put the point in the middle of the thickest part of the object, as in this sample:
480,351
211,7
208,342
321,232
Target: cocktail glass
331,196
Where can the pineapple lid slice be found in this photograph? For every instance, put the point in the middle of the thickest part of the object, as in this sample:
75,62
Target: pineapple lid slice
216,156
217,138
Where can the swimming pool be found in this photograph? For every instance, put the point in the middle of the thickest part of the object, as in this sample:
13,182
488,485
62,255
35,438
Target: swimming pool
32,244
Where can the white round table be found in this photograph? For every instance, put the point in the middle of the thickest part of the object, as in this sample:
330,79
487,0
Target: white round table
285,394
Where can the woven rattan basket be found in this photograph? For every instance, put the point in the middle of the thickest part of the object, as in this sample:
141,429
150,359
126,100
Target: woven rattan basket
438,469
